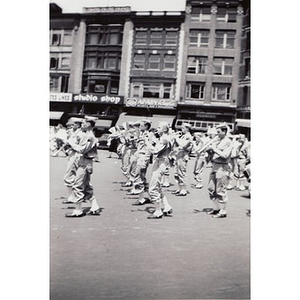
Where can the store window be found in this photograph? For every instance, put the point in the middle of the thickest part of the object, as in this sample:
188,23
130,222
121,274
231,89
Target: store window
199,38
201,14
114,87
221,92
222,66
225,39
197,65
98,86
195,91
152,90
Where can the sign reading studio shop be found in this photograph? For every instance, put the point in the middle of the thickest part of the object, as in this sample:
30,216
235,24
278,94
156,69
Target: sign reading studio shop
151,103
95,98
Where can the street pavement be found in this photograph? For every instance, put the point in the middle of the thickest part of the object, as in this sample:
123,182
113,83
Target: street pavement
123,255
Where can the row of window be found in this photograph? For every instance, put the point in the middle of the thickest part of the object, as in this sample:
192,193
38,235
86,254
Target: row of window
203,14
60,61
198,65
194,91
100,86
156,36
104,35
224,39
61,37
103,60
154,62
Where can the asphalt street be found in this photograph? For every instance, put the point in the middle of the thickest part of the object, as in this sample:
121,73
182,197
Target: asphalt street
123,255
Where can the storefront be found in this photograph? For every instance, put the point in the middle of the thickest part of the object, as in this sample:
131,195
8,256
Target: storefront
106,108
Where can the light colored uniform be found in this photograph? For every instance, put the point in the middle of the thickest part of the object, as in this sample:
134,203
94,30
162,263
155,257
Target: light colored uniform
184,147
220,172
72,166
161,152
86,152
200,160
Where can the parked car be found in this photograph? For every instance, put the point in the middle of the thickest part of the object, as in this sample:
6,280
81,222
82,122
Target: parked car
102,141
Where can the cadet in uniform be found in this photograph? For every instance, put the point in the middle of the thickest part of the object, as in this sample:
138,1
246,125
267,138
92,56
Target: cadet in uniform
219,176
82,188
161,150
184,146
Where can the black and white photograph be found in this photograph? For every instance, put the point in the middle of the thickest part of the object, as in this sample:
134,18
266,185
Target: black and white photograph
149,150
150,160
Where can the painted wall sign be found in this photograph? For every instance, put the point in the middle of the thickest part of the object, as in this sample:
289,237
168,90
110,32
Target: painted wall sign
152,103
61,97
94,98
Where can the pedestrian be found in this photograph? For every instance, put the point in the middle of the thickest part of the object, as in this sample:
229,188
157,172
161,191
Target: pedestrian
200,161
184,146
86,150
219,176
161,150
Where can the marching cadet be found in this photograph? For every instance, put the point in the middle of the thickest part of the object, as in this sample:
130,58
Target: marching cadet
143,159
219,176
184,146
161,150
82,188
200,141
74,136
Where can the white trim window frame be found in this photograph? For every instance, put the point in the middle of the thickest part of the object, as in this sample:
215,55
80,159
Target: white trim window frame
201,14
195,91
197,65
226,14
169,62
139,61
225,39
221,92
199,38
154,62
223,66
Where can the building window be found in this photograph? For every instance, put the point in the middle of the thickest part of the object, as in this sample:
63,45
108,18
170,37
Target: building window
154,62
56,37
104,35
152,90
197,65
59,83
139,61
171,38
141,38
67,39
156,37
200,14
64,84
199,38
98,86
226,14
54,82
221,92
54,63
225,39
103,61
65,62
169,62
222,66
114,87
91,61
195,91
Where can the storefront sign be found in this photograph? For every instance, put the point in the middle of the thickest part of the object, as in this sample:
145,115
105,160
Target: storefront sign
60,97
94,98
151,103
110,9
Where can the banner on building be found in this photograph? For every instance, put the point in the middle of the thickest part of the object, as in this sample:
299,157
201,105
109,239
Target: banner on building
61,97
151,103
94,98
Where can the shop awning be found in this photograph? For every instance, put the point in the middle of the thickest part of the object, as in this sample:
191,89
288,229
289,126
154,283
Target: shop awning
55,115
155,119
243,123
103,124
